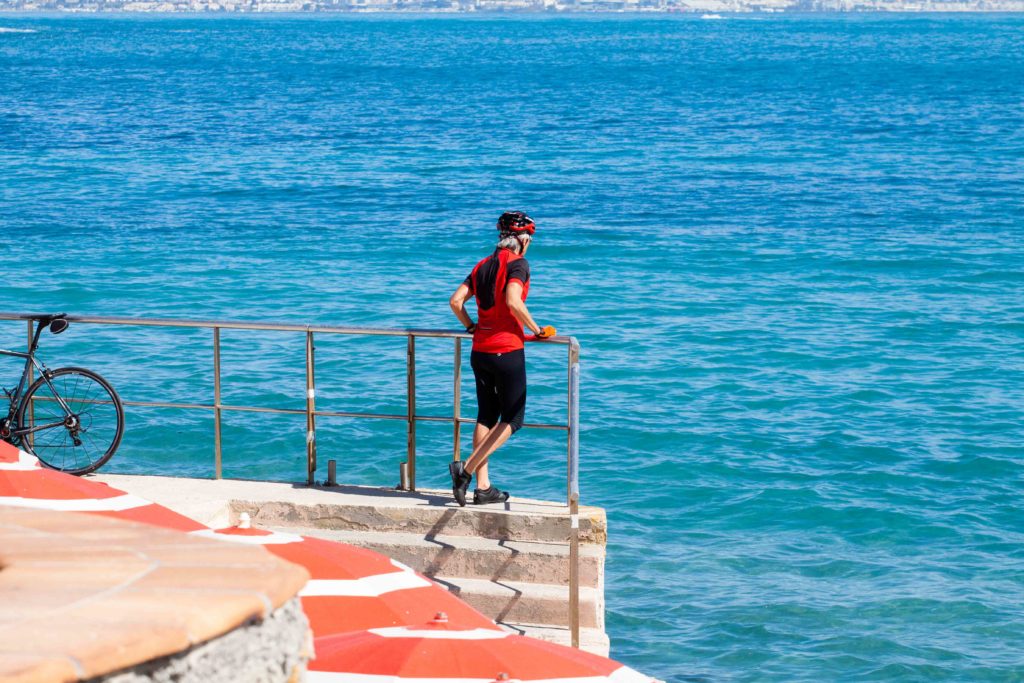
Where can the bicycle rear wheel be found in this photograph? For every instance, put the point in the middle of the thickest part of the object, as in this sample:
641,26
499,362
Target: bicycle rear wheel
78,440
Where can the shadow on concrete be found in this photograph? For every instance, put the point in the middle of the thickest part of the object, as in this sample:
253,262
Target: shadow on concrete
499,573
431,499
447,549
512,601
515,628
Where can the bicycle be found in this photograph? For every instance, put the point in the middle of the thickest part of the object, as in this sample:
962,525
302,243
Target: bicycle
69,418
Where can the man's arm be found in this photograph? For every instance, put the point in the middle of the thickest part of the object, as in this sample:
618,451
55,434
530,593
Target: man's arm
514,300
458,304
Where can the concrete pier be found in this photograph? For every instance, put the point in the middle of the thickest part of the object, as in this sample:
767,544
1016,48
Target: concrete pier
510,560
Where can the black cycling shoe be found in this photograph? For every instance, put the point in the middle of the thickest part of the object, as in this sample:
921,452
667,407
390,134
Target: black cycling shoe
460,481
487,496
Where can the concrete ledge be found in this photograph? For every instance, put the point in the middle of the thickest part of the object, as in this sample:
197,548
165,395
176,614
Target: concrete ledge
218,502
593,640
85,595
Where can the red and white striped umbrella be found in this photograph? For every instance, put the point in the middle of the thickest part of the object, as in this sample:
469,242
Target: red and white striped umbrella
12,458
24,482
353,588
439,652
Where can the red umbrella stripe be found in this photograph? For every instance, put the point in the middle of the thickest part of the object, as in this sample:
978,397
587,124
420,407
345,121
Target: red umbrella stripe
353,588
336,568
51,490
329,615
155,515
622,675
438,653
24,482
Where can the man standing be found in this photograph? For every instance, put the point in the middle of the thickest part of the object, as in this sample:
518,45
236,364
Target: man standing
500,284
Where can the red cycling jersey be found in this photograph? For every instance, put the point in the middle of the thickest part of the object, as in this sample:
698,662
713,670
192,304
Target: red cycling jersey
497,330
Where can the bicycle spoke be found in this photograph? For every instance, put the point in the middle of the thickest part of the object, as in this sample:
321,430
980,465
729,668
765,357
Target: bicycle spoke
74,391
85,395
42,442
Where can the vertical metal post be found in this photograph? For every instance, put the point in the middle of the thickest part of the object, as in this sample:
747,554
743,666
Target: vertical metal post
574,500
217,462
457,426
573,357
310,407
31,378
410,381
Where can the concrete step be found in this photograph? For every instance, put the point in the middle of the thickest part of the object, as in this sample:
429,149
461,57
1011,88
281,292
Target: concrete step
475,558
592,640
218,502
527,603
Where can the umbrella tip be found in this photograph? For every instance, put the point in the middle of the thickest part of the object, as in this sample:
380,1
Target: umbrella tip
244,521
439,618
501,677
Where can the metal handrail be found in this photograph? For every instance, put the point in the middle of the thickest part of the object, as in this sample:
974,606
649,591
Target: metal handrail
410,417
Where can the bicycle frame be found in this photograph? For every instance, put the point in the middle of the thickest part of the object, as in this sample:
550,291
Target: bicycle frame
25,382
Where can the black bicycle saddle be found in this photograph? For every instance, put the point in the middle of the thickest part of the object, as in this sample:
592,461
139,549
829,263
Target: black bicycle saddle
47,318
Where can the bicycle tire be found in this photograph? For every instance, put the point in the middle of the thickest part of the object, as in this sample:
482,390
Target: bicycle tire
45,452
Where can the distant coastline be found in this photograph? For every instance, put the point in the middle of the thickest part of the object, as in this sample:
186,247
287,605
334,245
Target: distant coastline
517,6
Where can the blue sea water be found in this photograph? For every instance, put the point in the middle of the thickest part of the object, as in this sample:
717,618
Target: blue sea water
792,249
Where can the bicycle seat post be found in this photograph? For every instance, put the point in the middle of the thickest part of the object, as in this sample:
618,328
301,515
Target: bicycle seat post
34,341
42,321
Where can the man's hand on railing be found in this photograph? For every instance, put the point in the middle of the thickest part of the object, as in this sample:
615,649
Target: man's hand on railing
543,333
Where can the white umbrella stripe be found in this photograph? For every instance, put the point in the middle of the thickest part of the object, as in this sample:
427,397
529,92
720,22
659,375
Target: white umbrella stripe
23,463
622,675
336,677
411,632
273,538
112,504
365,587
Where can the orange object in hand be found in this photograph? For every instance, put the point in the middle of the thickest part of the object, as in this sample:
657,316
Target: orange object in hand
547,331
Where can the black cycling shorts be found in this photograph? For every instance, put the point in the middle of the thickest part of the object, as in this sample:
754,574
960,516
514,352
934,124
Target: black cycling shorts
500,387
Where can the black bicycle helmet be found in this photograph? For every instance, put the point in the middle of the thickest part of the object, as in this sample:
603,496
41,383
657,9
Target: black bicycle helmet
515,223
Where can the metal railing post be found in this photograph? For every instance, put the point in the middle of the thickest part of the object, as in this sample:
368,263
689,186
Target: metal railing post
410,379
457,413
217,462
310,410
574,499
568,434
